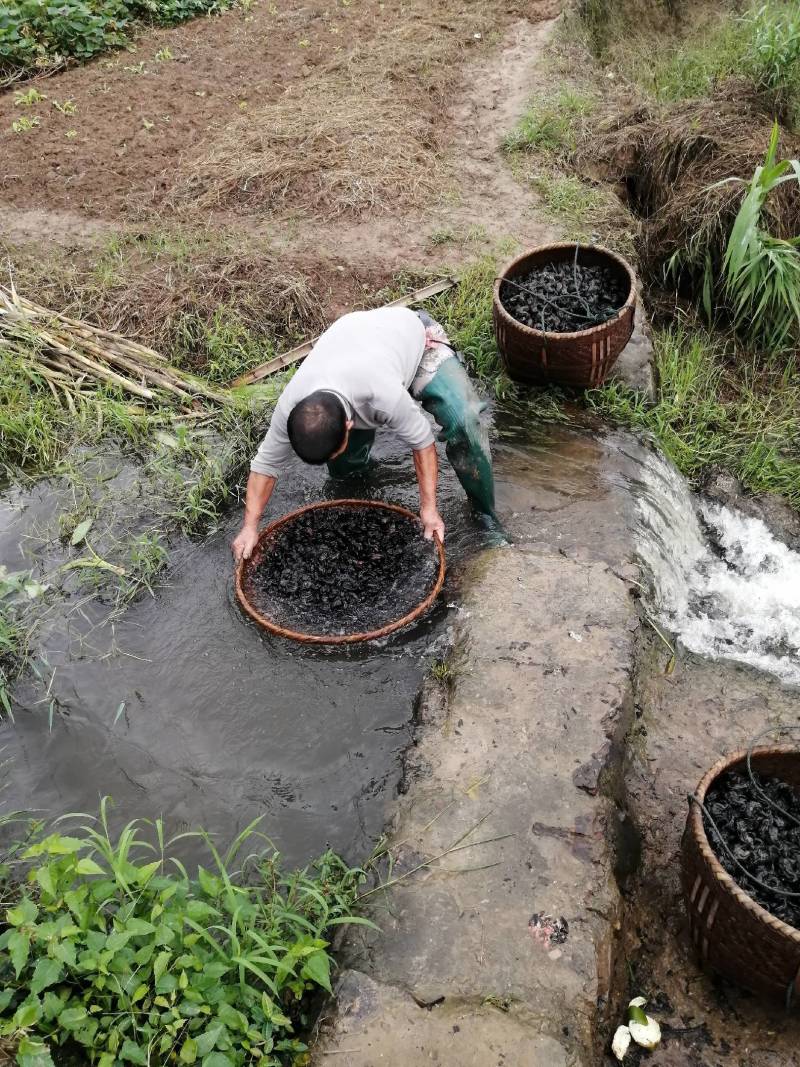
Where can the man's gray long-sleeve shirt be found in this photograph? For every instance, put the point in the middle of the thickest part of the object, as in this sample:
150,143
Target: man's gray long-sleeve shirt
369,359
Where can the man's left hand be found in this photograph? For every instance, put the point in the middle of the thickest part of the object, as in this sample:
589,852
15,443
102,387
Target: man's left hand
432,523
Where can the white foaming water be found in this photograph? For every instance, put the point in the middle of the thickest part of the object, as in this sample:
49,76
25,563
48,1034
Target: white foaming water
721,581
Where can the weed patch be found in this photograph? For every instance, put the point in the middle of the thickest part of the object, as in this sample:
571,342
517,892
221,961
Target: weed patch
114,952
555,126
717,407
675,55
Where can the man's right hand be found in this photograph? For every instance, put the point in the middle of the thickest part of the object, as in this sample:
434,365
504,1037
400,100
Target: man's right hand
245,541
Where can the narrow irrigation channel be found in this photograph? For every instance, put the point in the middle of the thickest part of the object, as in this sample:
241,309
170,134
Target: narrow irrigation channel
222,723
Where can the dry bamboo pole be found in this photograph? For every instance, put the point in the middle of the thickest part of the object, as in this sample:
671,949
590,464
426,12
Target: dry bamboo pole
295,355
78,348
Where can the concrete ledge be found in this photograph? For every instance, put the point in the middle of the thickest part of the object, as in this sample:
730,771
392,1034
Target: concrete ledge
509,807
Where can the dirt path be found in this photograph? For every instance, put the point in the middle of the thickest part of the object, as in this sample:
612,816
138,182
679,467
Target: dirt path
145,126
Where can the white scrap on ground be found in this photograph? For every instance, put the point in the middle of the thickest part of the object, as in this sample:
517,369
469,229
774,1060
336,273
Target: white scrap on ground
621,1042
641,1028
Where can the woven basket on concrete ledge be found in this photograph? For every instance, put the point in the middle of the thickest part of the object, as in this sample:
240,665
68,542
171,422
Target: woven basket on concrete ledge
731,932
581,359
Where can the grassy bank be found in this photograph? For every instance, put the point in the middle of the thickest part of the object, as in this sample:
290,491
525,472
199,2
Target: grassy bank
717,407
112,952
679,51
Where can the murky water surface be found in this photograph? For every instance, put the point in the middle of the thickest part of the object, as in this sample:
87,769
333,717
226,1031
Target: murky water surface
222,723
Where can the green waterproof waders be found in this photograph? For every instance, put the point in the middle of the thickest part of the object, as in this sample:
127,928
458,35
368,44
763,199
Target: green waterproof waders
451,398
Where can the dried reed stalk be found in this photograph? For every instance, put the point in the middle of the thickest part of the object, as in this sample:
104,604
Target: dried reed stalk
67,352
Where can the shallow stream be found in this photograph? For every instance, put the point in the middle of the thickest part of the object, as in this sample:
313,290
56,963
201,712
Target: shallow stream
222,723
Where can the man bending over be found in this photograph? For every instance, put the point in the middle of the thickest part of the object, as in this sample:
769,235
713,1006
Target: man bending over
372,370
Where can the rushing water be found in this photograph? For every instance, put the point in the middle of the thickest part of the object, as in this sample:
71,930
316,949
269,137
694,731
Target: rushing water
721,581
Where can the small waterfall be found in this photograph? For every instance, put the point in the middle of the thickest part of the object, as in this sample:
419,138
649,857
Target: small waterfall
721,581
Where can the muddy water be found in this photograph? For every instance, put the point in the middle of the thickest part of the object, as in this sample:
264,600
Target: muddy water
222,723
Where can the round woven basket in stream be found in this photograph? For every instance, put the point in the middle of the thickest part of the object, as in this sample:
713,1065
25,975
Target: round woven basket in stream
246,567
733,934
581,359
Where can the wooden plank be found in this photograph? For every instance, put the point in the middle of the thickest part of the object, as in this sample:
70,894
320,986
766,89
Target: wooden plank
295,355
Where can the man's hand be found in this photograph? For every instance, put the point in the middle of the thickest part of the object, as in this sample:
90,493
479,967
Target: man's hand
245,541
432,523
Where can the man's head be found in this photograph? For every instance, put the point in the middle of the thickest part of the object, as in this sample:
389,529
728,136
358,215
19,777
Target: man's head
318,427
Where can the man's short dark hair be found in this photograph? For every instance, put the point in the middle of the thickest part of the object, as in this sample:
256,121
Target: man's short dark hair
316,427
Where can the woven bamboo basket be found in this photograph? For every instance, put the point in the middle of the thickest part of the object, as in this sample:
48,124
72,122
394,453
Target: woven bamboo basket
579,360
732,934
245,568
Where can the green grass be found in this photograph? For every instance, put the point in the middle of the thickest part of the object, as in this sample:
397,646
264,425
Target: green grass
577,206
688,60
717,407
551,124
113,953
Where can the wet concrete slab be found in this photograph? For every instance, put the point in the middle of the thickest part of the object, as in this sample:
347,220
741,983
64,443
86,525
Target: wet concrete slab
503,913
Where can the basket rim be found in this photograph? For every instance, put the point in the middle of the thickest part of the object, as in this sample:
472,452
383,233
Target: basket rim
337,639
698,832
539,335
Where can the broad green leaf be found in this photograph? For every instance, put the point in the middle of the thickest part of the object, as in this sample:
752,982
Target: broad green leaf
54,845
29,1012
80,531
189,1050
85,865
133,1053
217,1059
6,996
138,927
147,871
207,1040
23,914
231,1017
208,882
65,951
52,1005
33,1053
72,1018
107,1059
140,992
118,940
318,969
160,964
19,946
46,973
44,877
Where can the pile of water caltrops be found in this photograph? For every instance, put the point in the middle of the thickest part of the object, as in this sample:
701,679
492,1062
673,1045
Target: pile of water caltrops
343,570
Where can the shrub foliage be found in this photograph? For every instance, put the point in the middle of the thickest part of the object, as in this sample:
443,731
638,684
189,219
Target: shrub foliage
112,953
42,33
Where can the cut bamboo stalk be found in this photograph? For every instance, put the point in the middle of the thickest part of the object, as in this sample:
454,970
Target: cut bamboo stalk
112,376
295,355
